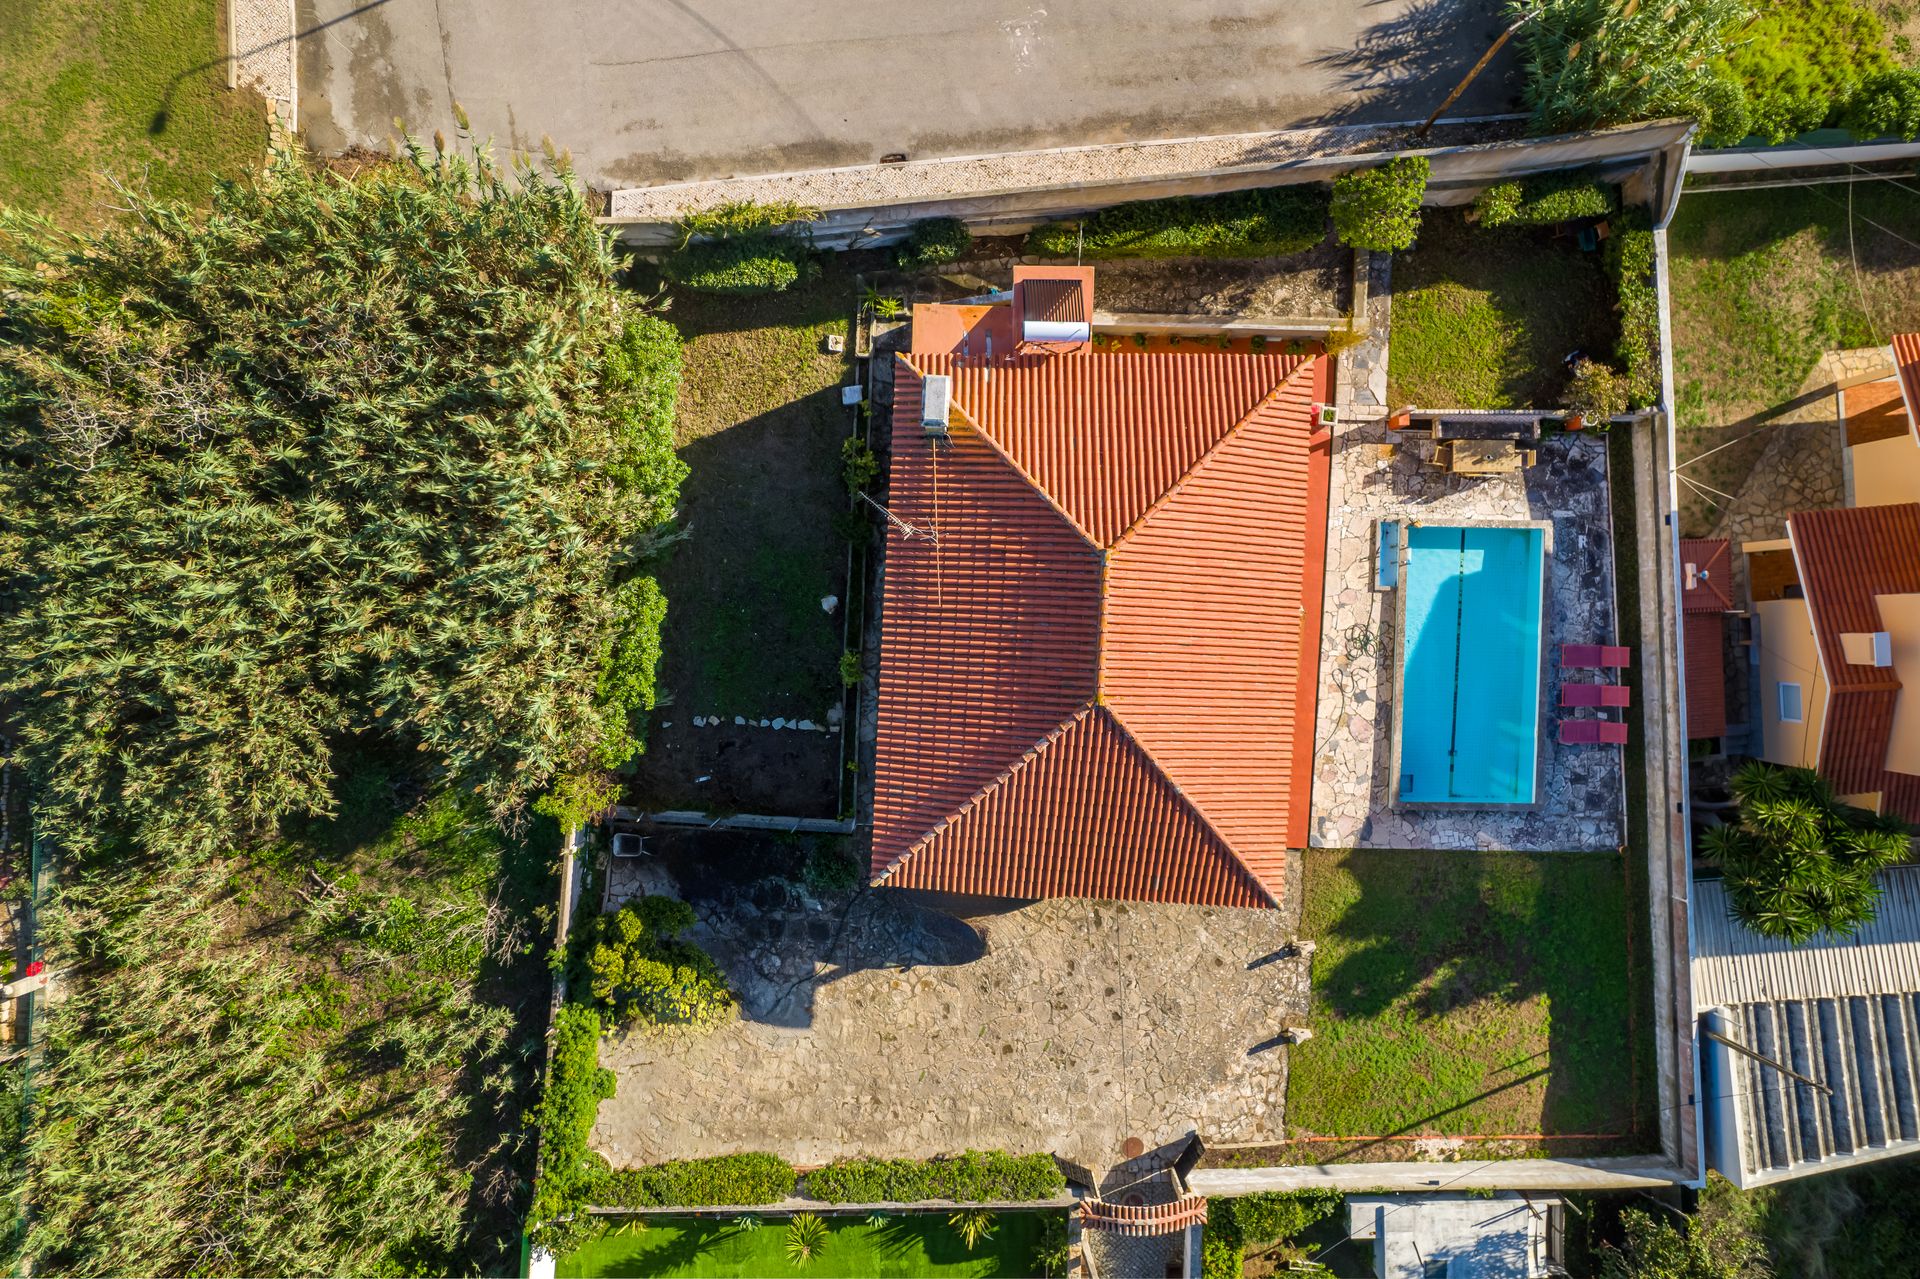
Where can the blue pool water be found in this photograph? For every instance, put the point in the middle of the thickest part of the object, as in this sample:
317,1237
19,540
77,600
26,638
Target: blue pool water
1470,664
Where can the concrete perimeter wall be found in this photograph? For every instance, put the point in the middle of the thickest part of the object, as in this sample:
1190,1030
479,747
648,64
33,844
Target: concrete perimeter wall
877,204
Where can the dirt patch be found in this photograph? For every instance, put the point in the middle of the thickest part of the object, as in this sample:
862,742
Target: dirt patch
783,772
1317,283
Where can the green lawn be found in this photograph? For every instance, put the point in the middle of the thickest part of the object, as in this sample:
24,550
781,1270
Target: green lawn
1465,994
919,1244
132,88
1485,319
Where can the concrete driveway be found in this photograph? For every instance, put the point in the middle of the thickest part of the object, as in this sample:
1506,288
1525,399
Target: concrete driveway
647,91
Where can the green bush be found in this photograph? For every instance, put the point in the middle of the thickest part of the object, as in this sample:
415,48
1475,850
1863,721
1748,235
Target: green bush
1544,200
1630,261
738,218
858,465
1597,391
1249,224
627,689
1260,1219
975,1176
1379,208
934,242
849,669
576,1085
641,377
1801,62
1799,863
1592,63
723,1181
1887,106
640,970
751,264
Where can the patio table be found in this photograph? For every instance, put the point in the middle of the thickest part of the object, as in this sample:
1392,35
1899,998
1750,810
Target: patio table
1485,457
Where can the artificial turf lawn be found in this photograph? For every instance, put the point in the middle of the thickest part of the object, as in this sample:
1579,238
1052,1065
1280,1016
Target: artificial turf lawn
1464,994
135,89
916,1244
1484,319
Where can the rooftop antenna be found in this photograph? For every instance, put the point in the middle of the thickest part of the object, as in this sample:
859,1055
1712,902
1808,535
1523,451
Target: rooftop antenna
906,529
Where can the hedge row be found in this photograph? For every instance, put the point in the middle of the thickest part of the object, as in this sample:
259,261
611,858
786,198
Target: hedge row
1630,260
935,242
724,1181
974,1177
1544,200
1259,1219
750,264
1240,224
1379,208
576,1085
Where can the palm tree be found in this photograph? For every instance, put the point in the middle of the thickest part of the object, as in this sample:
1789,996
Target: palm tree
806,1236
973,1225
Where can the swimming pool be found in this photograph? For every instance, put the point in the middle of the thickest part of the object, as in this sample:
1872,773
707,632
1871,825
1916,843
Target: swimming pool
1469,686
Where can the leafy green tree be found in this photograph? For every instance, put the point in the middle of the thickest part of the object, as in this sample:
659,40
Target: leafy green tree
1379,208
1654,1248
344,456
1798,863
1592,63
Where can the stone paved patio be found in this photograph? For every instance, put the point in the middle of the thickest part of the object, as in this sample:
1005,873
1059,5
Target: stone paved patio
1582,798
874,1025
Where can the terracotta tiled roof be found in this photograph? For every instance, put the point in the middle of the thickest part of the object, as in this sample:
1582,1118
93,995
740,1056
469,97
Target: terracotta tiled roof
1847,557
1906,354
1144,1220
1712,588
1900,796
1099,680
1706,675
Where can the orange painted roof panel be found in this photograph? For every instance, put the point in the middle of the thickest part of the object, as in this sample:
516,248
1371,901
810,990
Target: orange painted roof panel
1706,675
1711,590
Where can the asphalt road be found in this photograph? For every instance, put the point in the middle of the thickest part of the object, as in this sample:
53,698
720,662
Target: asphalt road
646,91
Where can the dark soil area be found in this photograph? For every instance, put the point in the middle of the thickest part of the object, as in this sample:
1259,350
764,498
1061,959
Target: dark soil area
779,772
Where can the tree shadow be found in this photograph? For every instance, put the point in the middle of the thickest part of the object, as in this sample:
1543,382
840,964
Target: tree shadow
1402,67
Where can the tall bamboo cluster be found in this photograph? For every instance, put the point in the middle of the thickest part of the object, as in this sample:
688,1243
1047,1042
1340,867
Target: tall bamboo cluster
340,457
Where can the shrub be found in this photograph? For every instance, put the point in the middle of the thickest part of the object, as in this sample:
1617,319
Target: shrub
642,382
1630,260
721,1182
966,1178
577,798
627,690
1651,1247
1596,392
1888,105
751,264
640,970
1544,200
1592,63
576,1085
830,868
1260,1219
1801,62
1051,1251
739,218
935,242
859,467
1798,863
850,668
1379,208
1260,223
972,1225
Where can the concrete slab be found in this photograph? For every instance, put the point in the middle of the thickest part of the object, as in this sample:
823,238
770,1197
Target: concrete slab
1490,1174
668,90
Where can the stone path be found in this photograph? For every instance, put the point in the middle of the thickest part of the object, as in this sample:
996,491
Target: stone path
872,1025
261,40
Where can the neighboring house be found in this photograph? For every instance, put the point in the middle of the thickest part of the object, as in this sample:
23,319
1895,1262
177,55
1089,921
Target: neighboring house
1836,612
1100,611
1706,597
1843,1011
1506,1235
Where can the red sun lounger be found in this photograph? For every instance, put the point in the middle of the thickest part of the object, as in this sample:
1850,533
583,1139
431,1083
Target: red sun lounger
1615,695
1589,656
1592,732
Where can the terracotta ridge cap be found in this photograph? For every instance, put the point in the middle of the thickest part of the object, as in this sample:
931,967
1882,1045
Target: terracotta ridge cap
1191,804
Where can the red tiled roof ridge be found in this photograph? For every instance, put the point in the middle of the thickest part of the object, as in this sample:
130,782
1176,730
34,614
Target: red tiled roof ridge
1279,388
974,800
1193,805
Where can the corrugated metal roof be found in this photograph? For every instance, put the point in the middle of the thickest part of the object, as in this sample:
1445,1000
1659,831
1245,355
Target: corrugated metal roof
1847,557
1732,964
1706,674
1711,589
1057,301
1156,745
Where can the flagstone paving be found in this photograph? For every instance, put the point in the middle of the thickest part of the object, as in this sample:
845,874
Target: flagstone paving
872,1025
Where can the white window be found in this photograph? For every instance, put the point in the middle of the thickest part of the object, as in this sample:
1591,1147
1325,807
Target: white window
1790,708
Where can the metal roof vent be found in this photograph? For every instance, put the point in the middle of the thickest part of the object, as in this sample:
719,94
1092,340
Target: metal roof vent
936,403
1867,648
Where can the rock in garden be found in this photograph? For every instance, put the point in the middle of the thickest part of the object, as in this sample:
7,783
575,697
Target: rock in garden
829,602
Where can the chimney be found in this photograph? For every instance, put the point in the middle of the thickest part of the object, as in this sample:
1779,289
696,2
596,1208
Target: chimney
1867,648
936,402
